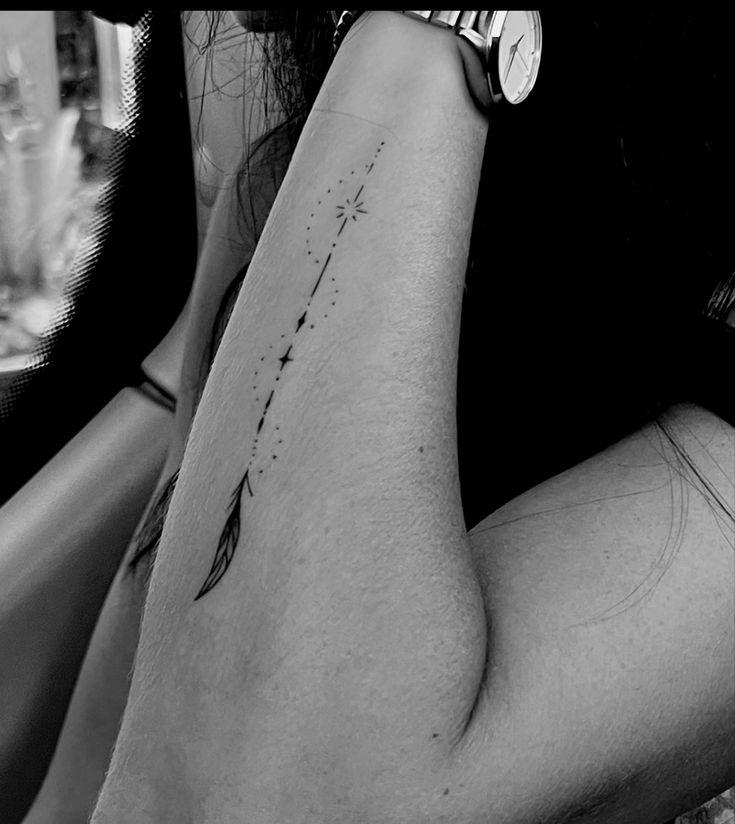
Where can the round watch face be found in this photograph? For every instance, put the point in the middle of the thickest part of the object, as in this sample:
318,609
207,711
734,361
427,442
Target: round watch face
516,42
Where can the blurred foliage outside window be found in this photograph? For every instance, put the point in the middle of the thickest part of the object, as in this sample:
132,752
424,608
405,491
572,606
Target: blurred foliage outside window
59,106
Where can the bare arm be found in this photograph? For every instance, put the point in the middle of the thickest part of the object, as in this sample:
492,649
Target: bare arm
319,625
361,424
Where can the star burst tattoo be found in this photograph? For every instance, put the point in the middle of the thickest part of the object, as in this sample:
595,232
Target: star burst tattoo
321,249
350,209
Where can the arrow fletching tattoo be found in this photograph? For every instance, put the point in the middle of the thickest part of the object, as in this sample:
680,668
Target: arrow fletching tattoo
228,539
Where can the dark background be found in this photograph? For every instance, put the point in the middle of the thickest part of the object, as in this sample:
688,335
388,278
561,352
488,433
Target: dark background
603,225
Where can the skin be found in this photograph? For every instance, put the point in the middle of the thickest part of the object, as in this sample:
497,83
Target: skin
529,606
63,535
363,657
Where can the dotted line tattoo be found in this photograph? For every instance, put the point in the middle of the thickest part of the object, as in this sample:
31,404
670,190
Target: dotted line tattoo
345,202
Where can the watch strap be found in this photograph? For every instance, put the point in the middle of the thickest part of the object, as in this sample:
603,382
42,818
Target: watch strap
447,19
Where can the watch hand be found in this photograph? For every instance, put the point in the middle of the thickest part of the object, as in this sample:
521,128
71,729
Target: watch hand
515,45
510,62
520,57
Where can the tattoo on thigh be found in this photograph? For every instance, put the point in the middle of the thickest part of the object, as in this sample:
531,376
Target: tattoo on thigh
341,206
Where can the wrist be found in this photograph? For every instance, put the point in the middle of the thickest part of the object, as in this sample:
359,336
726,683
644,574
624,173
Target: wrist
496,66
391,53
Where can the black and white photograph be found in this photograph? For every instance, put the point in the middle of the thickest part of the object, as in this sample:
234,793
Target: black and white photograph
367,416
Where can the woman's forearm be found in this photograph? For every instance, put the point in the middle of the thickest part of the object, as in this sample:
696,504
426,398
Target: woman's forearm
313,619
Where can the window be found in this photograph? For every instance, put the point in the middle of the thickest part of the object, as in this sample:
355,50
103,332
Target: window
59,105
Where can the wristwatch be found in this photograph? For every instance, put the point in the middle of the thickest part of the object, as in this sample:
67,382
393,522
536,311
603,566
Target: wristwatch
507,42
